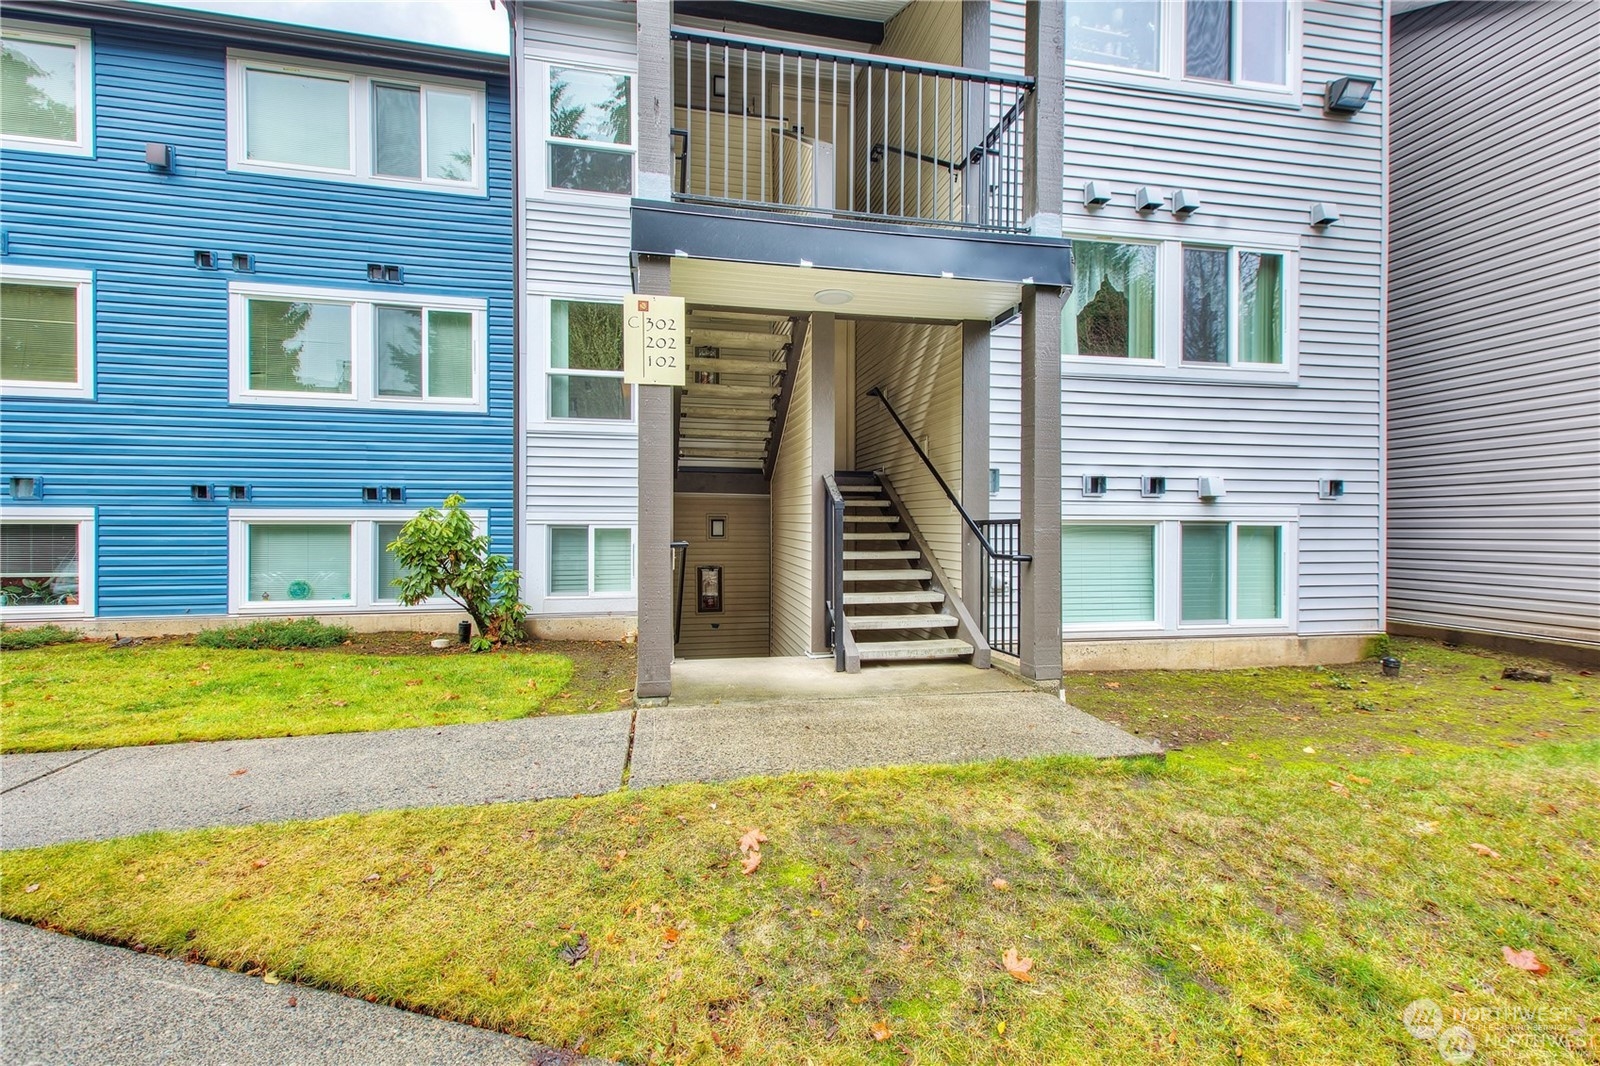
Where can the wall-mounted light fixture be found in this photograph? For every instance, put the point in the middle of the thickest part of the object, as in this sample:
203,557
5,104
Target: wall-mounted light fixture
161,158
1146,199
1212,487
1185,202
1095,194
719,86
1348,95
1323,213
26,488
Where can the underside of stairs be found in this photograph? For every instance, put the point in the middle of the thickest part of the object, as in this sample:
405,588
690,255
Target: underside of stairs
728,409
897,604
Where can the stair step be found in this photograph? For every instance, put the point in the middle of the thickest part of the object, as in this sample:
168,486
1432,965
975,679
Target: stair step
699,429
730,365
750,412
873,490
886,518
887,575
857,599
879,650
894,553
718,462
730,338
900,621
853,502
722,447
698,391
892,535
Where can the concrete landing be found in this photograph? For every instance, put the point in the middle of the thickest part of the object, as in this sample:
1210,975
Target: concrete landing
696,682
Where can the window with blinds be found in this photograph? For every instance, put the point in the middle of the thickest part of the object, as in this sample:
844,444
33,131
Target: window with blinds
589,559
44,106
389,568
39,564
1205,572
1108,574
1259,573
39,328
298,563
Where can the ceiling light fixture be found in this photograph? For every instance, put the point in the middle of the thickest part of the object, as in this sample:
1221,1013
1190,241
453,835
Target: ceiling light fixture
834,297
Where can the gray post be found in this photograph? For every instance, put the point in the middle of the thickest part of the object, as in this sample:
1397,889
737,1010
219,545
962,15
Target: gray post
1045,60
1041,482
823,448
656,460
975,109
653,99
974,455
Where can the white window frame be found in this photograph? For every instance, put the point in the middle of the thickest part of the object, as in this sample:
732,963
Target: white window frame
84,519
365,595
79,39
83,282
1169,572
542,320
592,596
363,358
541,93
1169,362
360,81
1169,75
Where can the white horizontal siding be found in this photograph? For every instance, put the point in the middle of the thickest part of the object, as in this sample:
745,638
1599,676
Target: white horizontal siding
1494,400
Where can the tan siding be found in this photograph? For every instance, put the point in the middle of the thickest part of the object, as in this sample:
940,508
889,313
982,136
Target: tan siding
1494,418
919,366
741,628
792,539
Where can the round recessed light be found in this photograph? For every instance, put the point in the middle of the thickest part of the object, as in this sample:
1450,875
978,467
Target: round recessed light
835,296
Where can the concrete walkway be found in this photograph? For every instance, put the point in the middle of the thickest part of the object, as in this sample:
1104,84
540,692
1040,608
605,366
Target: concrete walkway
72,1001
728,719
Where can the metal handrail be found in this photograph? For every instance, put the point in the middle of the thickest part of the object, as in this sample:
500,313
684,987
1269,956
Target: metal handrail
860,59
877,390
833,546
680,551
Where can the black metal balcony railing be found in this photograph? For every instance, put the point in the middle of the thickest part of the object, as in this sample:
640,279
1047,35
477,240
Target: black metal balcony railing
846,135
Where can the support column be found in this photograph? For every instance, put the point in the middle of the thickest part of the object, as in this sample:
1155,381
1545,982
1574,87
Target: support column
823,456
657,593
1044,60
653,89
1041,482
974,456
975,109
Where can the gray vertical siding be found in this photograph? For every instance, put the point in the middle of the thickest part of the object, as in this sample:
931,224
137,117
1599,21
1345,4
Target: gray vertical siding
1494,376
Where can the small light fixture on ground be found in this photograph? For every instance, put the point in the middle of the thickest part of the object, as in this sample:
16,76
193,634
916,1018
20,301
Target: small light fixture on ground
834,297
1348,95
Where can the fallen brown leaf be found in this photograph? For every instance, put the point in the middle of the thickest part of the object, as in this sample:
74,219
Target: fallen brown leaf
671,934
1524,960
451,696
32,888
1113,684
1018,966
751,861
1001,884
881,1031
367,880
1358,779
236,773
1485,850
752,841
259,863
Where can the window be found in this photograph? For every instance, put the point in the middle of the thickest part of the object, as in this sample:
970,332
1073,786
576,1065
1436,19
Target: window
590,143
1175,575
342,348
590,560
1188,44
1108,573
1175,305
300,561
46,563
585,377
45,333
348,124
1231,573
1112,311
45,103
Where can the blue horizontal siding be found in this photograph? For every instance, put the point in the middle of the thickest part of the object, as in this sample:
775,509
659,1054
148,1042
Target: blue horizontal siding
161,420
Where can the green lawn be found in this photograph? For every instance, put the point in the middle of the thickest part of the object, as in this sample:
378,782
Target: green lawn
1243,902
90,695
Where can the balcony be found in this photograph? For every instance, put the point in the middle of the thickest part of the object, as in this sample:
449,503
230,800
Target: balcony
792,130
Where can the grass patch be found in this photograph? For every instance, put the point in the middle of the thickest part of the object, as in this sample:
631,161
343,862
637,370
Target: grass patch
91,695
279,633
1214,908
13,639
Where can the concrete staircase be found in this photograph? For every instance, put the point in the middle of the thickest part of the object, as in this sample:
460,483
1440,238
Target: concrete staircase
897,606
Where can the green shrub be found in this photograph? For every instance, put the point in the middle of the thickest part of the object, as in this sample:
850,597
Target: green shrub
1380,646
13,639
442,553
274,633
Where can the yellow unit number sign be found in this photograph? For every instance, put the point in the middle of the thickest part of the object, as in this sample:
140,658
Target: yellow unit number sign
654,340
